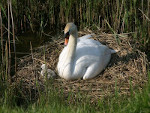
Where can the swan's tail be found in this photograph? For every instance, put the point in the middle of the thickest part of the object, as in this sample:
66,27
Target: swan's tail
114,51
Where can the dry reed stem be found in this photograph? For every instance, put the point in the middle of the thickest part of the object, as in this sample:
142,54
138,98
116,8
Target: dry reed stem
6,61
144,15
9,46
13,31
1,21
2,48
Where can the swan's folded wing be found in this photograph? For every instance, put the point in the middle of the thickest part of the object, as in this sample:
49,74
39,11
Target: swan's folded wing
85,37
87,40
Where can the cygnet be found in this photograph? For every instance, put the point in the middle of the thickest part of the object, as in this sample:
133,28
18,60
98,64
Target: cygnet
47,72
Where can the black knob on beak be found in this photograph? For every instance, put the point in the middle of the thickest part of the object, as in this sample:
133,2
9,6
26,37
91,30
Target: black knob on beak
66,35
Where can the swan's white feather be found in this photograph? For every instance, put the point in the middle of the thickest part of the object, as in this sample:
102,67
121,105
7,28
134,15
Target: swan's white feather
90,55
86,36
90,58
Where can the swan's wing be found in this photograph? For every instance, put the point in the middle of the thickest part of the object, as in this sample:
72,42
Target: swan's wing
85,36
86,40
89,42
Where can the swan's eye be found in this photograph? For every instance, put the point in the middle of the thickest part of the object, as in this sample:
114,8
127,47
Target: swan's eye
67,35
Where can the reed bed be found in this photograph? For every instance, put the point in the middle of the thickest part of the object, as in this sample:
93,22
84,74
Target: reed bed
115,16
122,15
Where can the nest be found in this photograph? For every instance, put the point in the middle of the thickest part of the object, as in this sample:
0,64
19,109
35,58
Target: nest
126,70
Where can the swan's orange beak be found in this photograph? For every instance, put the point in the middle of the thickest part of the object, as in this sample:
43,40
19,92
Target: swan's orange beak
66,41
66,35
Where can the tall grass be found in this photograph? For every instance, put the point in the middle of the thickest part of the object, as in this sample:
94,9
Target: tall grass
54,102
122,15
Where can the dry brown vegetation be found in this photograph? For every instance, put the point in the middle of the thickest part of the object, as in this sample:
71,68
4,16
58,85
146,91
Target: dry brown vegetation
125,72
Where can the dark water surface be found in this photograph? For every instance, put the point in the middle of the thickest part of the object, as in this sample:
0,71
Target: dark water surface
24,42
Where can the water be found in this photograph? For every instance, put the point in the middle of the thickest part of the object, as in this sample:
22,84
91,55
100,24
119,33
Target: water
25,40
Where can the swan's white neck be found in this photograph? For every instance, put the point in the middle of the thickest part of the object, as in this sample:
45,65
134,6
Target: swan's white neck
71,49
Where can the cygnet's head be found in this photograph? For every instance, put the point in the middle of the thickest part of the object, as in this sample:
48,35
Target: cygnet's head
43,66
70,29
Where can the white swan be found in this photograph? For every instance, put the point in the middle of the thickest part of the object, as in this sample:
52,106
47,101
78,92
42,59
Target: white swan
82,57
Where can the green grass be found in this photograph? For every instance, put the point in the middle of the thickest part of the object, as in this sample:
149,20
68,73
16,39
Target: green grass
52,102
